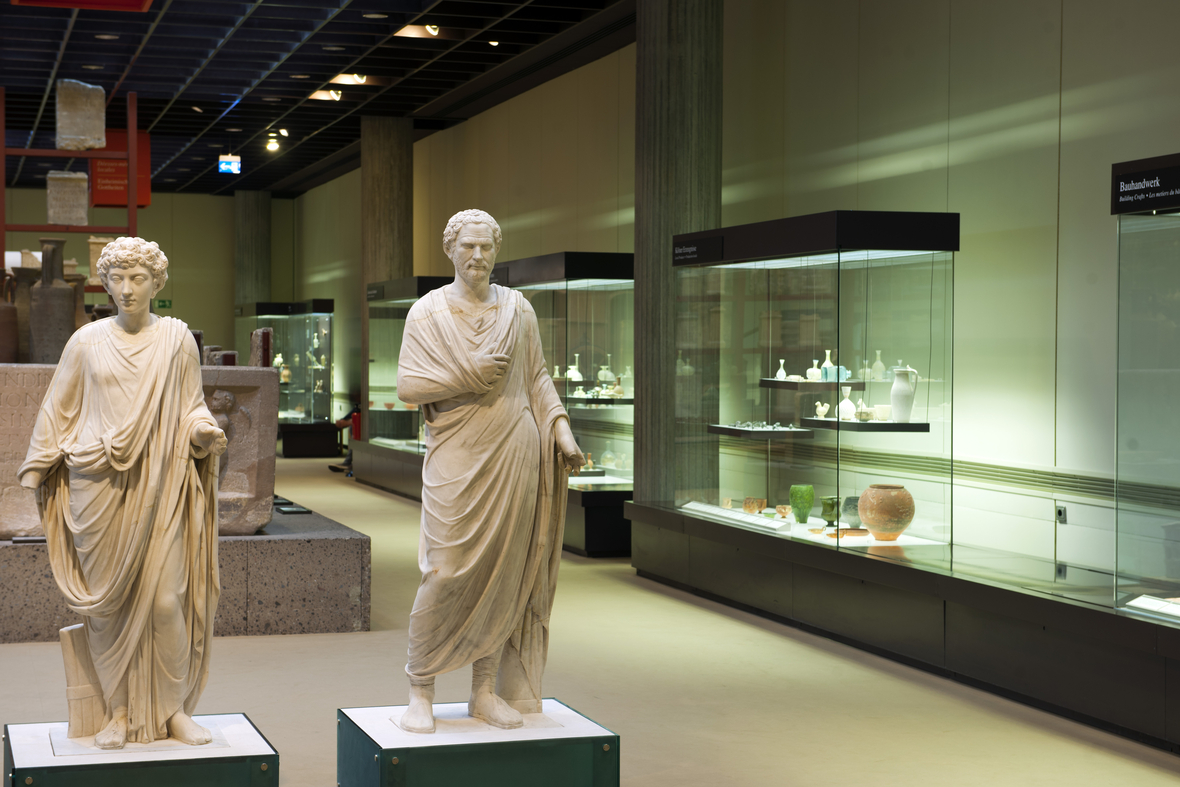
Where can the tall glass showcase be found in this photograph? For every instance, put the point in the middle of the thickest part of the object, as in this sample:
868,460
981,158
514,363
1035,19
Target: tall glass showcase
813,381
390,455
585,306
302,350
1146,194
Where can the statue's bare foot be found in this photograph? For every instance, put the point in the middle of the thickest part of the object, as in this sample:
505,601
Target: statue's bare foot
114,735
184,729
419,717
487,706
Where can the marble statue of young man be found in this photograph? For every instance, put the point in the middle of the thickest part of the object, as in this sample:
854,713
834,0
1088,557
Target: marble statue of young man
124,458
498,451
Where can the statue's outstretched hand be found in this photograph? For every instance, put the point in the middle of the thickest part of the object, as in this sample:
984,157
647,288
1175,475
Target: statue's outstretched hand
571,455
493,366
211,439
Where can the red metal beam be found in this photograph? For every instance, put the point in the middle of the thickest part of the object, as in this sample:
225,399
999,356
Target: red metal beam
64,228
54,153
132,164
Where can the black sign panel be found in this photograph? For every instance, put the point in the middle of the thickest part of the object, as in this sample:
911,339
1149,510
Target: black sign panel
499,275
699,250
1144,190
375,292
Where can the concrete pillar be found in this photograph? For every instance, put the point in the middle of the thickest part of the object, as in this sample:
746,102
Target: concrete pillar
252,247
387,217
677,189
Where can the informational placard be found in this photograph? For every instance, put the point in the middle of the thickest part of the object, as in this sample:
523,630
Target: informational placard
698,250
108,177
1145,185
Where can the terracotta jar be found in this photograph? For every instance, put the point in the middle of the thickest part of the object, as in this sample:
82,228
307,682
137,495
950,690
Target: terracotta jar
886,510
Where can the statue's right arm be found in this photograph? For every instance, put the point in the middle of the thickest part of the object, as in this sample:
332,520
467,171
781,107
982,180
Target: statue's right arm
32,479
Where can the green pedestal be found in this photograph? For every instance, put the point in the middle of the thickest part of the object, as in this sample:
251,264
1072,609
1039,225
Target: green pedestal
239,756
557,747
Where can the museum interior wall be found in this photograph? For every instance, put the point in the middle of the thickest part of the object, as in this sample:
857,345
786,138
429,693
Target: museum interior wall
1010,114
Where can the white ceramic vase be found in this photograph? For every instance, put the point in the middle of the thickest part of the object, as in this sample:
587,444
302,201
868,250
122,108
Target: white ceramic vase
827,359
813,374
847,410
572,373
781,374
878,368
901,396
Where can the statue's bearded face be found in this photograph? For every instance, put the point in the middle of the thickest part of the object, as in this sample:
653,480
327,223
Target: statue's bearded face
474,253
132,288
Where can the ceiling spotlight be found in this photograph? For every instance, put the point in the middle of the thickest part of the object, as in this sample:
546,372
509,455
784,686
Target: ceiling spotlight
333,49
271,98
349,79
198,109
272,134
301,76
432,29
375,16
233,129
283,131
106,37
213,144
184,169
169,180
494,43
92,68
273,145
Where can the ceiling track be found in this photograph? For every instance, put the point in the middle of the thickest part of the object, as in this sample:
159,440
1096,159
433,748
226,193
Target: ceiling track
387,88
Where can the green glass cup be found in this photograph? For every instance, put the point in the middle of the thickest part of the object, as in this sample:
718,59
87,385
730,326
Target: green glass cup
830,508
802,497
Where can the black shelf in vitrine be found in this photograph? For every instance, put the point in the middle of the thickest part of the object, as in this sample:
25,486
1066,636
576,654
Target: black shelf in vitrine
810,385
564,266
596,401
863,426
760,434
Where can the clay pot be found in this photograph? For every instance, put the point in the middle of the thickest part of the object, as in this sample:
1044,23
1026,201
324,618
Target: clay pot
51,307
9,332
886,510
390,405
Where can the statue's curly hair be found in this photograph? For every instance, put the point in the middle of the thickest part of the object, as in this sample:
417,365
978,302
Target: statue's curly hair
129,252
473,216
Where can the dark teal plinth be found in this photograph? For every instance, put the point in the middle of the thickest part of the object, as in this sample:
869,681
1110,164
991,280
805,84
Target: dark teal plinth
559,747
247,760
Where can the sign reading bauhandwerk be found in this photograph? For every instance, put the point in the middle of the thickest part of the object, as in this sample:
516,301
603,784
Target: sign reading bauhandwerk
1146,185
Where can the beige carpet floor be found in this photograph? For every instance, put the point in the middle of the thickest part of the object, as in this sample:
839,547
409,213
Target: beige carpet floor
701,694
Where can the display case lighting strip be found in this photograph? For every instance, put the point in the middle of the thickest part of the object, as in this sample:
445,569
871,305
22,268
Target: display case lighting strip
833,258
581,284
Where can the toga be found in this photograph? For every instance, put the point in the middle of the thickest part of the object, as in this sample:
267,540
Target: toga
493,492
129,504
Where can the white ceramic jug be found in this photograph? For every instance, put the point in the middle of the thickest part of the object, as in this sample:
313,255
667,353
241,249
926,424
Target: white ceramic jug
901,396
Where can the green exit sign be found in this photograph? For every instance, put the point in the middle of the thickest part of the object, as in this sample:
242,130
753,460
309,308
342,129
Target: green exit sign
162,303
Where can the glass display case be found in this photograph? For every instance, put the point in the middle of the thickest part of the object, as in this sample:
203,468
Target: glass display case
302,350
390,455
813,381
585,306
1147,547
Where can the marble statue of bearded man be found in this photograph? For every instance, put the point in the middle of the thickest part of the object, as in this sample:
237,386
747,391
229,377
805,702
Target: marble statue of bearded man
124,458
498,451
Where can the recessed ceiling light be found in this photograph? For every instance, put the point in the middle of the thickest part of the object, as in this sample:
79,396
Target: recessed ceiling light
349,79
494,43
106,36
38,176
92,68
273,145
375,16
272,134
198,109
301,76
271,98
184,169
44,164
283,131
233,129
169,180
432,29
197,158
326,95
333,49
214,145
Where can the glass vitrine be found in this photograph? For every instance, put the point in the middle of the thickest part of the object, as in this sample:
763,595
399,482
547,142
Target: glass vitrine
302,350
1147,548
392,423
585,305
813,380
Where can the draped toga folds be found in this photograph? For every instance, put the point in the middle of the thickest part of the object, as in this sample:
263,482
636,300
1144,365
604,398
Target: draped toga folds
130,512
493,492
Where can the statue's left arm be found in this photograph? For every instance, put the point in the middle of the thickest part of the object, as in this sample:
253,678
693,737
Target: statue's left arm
205,436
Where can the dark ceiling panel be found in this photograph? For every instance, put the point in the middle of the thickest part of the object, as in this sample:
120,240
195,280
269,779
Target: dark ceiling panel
237,61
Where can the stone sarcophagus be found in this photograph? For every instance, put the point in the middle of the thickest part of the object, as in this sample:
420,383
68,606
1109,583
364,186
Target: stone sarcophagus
244,400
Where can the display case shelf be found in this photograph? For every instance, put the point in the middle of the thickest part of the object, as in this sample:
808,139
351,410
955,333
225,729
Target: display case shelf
863,426
810,386
760,434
